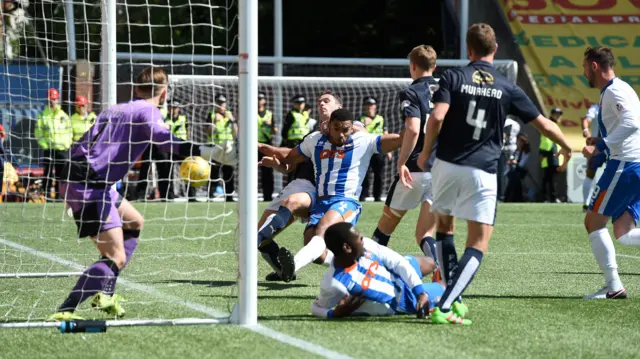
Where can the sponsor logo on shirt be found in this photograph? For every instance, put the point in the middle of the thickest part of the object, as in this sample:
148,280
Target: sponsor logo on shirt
482,77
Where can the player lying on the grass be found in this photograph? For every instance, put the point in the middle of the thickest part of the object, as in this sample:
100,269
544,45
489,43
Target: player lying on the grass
103,156
298,197
362,269
470,109
617,194
341,159
412,186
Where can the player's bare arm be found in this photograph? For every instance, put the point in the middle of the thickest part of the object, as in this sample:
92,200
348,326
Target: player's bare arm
288,164
410,138
390,142
273,151
434,124
551,130
586,121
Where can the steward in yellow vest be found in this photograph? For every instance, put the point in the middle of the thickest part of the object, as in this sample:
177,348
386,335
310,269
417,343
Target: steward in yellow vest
296,124
266,122
54,134
549,163
374,124
177,121
266,130
223,132
81,121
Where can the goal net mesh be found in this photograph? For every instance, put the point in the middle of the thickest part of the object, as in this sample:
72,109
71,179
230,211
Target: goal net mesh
199,92
185,264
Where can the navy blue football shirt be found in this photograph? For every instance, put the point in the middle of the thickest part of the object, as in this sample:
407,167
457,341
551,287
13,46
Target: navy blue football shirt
416,102
480,99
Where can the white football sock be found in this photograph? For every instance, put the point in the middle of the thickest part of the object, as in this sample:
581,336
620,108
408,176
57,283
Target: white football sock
586,189
309,253
605,253
631,238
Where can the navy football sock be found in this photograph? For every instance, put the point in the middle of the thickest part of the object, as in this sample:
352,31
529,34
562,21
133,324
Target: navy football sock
428,247
274,224
447,256
469,264
381,238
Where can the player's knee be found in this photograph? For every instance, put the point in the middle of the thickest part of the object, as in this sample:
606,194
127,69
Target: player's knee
427,265
590,174
136,223
593,222
295,201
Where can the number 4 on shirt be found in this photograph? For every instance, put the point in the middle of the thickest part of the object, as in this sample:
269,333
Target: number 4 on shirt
478,121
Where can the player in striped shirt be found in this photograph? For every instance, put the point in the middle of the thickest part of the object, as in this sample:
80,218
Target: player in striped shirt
298,197
340,160
365,272
617,194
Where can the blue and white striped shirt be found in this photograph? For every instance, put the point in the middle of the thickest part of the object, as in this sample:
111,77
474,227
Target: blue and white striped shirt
381,275
340,171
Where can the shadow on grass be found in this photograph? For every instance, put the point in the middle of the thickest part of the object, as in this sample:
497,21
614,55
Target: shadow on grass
589,273
231,283
401,318
491,296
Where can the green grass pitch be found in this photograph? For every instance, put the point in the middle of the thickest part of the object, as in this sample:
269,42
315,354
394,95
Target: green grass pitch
525,301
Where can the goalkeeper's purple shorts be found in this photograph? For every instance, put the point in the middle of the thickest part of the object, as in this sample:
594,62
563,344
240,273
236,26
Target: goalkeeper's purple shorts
94,209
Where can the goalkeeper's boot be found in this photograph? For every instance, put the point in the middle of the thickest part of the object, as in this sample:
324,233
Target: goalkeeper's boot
288,265
460,308
109,304
275,277
64,317
439,317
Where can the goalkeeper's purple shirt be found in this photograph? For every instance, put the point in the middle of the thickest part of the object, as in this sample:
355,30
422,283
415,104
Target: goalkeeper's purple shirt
119,136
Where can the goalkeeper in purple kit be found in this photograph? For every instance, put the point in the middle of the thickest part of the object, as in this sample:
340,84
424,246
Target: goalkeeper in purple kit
102,157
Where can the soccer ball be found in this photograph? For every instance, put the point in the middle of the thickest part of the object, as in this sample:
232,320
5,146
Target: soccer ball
195,170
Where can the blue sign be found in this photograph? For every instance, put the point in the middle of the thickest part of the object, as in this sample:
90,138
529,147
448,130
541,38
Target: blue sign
27,85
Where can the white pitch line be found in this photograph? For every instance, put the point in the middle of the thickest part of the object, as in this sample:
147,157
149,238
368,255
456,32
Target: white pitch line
260,329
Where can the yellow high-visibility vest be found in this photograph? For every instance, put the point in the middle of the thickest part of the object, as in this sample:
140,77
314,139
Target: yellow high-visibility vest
53,129
223,131
265,131
80,124
299,128
376,127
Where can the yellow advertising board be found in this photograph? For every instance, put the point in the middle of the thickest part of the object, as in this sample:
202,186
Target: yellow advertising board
553,35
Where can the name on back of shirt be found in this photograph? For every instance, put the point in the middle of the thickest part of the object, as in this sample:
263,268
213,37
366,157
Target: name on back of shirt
481,91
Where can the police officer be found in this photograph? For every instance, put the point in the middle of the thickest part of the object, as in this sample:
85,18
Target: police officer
374,122
266,130
163,167
296,124
223,131
54,134
81,120
549,163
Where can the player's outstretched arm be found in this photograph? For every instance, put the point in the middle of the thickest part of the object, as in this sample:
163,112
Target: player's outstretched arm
273,151
288,164
434,124
551,130
390,142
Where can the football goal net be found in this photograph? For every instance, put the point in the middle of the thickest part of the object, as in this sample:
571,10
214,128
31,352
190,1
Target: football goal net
59,72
